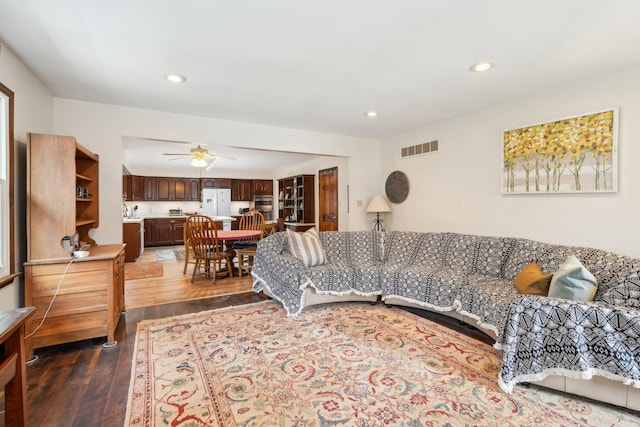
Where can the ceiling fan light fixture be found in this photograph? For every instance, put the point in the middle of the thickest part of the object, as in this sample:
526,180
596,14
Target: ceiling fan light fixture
198,162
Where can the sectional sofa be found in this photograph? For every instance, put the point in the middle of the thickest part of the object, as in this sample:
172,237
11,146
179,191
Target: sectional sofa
586,348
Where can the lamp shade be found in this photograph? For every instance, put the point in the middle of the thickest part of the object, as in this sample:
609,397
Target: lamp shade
378,204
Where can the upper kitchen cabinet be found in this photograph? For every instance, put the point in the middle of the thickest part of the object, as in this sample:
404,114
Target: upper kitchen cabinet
133,187
215,183
149,185
193,189
179,189
126,188
262,187
241,190
137,188
62,195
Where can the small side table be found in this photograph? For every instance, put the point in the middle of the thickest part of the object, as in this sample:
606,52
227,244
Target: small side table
13,370
299,226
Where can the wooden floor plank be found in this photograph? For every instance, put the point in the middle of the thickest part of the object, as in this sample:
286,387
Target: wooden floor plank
174,286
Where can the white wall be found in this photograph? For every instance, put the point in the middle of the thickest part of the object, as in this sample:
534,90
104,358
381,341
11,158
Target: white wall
100,127
459,188
33,112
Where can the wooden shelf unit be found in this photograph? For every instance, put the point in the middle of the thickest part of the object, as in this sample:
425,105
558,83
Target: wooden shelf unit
296,199
59,168
62,199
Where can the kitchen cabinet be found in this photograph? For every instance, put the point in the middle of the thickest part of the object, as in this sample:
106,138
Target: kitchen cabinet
215,183
241,190
150,233
178,189
132,188
193,189
132,236
137,188
164,231
262,187
149,186
90,301
126,188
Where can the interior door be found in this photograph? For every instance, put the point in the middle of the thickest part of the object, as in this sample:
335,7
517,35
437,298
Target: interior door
328,187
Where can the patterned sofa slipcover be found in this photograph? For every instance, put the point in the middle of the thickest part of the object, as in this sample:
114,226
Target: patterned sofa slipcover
554,342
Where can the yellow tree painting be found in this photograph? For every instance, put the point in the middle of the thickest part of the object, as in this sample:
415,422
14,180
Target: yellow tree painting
574,155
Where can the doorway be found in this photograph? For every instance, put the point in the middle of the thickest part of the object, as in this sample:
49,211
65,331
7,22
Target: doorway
328,192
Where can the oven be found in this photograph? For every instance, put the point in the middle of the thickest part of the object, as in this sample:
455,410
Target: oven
264,205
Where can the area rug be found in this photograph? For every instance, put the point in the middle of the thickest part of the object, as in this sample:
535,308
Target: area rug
142,270
169,254
335,365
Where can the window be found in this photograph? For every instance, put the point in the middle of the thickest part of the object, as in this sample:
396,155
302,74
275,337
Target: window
7,260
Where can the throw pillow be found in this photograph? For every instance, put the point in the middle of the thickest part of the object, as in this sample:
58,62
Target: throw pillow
573,281
307,247
532,281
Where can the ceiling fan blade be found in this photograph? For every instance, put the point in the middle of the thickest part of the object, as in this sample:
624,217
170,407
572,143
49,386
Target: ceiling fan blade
176,154
222,157
178,158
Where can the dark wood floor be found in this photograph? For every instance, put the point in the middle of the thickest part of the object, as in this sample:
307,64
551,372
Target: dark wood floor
83,384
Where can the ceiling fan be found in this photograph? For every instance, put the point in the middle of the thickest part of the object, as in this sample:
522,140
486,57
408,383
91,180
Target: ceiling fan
200,157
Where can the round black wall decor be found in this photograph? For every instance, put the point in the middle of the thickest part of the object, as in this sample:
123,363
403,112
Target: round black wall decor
397,187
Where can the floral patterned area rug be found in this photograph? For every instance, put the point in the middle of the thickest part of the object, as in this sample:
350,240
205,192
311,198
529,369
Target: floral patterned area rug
335,365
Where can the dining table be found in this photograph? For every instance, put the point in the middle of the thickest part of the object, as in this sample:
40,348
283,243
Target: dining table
230,236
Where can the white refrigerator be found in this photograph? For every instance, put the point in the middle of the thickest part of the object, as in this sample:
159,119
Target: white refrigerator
216,203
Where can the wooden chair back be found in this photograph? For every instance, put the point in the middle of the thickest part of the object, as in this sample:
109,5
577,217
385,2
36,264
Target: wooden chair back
268,229
252,220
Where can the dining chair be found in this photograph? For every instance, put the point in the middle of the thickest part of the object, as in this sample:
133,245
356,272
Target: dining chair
194,221
201,232
246,249
268,229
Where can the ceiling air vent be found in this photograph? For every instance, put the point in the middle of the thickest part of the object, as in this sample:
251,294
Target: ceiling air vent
420,149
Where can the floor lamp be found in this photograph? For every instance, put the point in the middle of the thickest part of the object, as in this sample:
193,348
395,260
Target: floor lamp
377,205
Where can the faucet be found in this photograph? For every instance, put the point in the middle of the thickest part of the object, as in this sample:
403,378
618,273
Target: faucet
125,210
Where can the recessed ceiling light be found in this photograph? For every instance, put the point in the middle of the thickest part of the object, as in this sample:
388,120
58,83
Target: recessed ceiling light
176,78
371,114
482,66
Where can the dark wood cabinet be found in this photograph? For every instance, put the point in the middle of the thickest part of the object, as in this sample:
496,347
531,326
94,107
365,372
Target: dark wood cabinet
164,231
137,188
215,183
180,189
126,188
133,188
296,199
131,235
262,187
150,233
241,190
193,189
149,185
163,188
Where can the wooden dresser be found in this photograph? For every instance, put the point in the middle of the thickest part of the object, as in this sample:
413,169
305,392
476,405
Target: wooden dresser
88,304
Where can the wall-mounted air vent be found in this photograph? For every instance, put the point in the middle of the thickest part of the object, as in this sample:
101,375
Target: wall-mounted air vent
417,150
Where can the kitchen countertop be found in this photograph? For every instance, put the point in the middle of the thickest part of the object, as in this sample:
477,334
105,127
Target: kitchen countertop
152,216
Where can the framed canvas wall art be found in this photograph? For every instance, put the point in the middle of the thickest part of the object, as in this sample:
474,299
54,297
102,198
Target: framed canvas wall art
573,155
